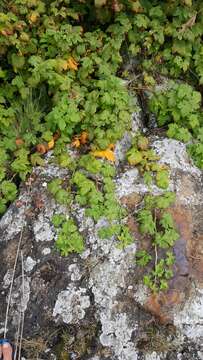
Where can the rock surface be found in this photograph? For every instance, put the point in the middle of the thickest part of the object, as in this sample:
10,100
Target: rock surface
93,306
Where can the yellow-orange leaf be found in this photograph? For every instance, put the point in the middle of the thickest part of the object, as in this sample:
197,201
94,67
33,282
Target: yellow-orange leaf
111,147
105,154
80,139
51,144
33,17
62,64
72,64
76,142
83,137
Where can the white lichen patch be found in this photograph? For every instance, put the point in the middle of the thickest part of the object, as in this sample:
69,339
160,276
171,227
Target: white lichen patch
127,182
7,278
137,121
188,189
141,294
152,356
93,242
51,170
130,182
107,280
29,264
71,304
42,229
75,272
184,176
12,222
174,154
190,318
46,251
20,298
116,334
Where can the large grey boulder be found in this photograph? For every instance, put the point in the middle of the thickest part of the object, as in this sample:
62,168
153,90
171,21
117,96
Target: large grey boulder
94,306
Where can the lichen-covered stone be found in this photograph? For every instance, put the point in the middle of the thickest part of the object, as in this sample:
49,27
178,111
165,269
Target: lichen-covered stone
71,304
98,295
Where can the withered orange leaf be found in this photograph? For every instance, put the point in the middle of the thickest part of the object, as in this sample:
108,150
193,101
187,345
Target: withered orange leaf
72,64
106,154
62,64
76,142
80,139
19,141
83,137
188,24
41,148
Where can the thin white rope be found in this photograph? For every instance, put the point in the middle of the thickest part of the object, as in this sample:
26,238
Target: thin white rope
18,344
22,307
12,281
17,337
14,268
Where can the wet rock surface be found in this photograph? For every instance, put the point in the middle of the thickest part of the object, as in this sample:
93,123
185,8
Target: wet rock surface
94,306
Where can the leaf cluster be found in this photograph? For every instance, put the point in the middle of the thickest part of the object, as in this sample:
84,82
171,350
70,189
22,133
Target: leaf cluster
59,70
60,191
145,158
56,75
98,202
180,108
157,225
69,239
119,231
8,192
166,37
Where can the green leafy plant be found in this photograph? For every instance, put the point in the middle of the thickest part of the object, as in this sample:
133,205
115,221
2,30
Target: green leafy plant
94,189
56,77
143,258
59,75
8,192
196,151
179,104
179,133
62,195
145,158
69,239
146,221
158,225
180,107
120,232
59,71
160,201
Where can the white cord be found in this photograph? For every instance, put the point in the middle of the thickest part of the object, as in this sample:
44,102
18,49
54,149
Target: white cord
12,281
22,305
13,276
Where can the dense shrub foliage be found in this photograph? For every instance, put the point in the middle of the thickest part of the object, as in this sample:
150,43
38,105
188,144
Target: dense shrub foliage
62,80
58,67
